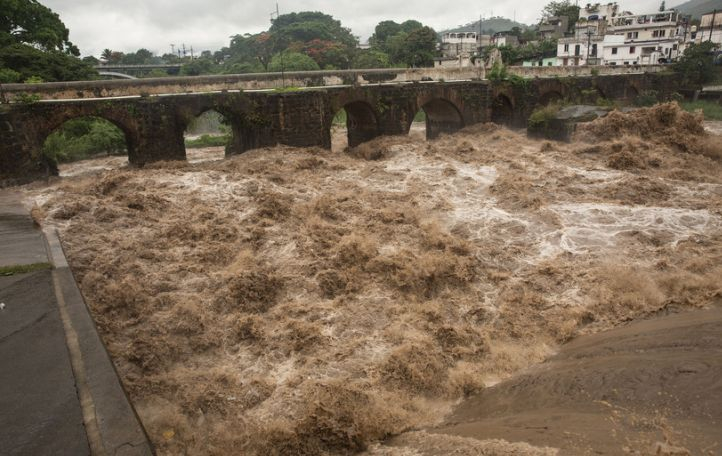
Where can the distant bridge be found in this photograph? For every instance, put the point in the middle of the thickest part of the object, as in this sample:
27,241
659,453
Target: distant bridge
154,113
135,71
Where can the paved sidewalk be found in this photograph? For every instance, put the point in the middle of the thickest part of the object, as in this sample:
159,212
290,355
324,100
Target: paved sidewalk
51,356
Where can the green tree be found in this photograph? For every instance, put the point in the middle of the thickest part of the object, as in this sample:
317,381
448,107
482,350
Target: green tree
371,59
318,35
663,6
106,55
139,57
383,31
697,63
420,47
306,26
197,67
409,43
49,66
243,67
248,49
34,43
562,8
8,76
292,61
29,22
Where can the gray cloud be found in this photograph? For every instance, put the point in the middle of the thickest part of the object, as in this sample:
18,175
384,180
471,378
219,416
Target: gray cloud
128,25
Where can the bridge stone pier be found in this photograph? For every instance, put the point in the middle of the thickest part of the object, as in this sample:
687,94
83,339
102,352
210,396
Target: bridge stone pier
154,124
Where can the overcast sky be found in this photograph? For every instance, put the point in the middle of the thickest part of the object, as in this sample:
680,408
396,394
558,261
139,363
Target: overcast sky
127,25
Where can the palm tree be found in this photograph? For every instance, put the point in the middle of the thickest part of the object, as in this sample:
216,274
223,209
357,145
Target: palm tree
106,55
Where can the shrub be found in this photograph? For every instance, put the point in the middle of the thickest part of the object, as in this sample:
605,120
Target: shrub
647,98
497,73
82,138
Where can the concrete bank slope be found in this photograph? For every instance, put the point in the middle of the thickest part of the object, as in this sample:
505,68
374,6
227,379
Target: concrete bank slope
59,392
651,387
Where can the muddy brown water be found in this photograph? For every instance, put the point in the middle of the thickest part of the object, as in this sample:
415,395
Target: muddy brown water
634,388
306,301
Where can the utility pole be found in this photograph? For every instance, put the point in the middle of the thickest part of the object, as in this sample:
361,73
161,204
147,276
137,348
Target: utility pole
711,26
283,66
481,18
589,42
192,56
184,50
172,49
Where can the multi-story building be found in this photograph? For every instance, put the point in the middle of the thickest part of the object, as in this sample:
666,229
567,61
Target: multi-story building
454,44
648,38
575,51
605,37
584,46
505,39
553,27
710,28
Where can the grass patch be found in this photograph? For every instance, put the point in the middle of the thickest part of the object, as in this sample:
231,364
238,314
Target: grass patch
207,141
712,110
23,268
420,116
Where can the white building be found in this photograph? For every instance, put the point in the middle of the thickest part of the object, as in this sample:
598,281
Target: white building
604,37
505,39
577,51
649,39
710,28
454,44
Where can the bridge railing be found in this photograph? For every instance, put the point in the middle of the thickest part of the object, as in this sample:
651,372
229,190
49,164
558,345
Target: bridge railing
274,81
214,83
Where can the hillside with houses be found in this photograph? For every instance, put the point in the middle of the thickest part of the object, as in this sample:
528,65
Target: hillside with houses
594,34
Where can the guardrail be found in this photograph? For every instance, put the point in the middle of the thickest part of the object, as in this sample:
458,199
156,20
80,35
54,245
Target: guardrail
214,83
306,79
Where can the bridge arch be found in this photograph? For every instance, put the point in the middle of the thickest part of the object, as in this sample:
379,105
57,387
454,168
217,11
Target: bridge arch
502,110
361,122
80,137
121,119
209,128
442,116
360,119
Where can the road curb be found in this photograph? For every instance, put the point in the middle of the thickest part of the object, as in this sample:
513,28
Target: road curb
112,425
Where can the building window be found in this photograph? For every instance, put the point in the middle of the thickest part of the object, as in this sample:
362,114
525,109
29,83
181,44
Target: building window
577,49
614,51
632,49
594,50
626,63
566,48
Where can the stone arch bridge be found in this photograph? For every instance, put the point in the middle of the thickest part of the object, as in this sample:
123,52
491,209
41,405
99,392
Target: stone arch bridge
154,124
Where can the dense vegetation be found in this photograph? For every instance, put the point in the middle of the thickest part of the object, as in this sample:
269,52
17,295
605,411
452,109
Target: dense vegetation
302,41
34,45
82,138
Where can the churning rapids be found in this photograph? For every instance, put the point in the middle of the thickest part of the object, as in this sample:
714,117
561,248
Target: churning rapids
304,301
